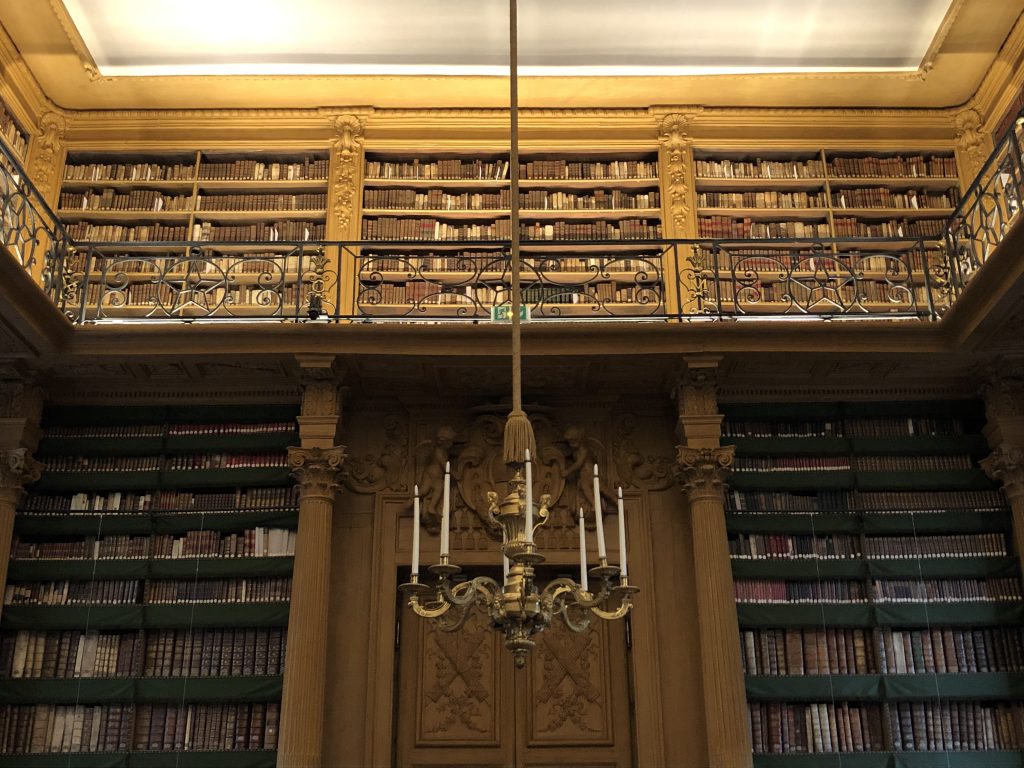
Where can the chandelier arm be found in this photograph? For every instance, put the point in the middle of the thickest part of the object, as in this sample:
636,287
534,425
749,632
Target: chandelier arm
428,612
466,593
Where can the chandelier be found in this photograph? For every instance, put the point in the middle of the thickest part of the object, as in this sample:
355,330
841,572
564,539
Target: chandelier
519,606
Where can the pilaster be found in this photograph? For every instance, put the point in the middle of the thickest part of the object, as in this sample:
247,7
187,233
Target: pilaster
973,145
316,466
345,205
675,159
1004,429
17,469
703,466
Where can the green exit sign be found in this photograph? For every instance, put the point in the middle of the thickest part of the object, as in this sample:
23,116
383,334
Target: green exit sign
503,314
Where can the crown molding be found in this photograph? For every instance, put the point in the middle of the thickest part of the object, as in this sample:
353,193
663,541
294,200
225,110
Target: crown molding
1004,79
20,90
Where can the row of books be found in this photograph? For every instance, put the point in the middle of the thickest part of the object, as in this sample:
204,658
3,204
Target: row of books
309,168
934,650
956,725
767,199
596,200
883,197
896,426
808,651
16,138
493,261
393,228
455,168
913,547
67,654
247,590
728,227
897,463
226,460
849,227
158,430
253,542
64,728
882,591
759,169
188,727
129,171
238,500
624,229
56,654
436,200
778,727
895,502
125,592
311,201
214,652
896,167
176,265
212,300
433,294
84,230
571,169
135,200
844,266
102,463
268,232
757,546
828,292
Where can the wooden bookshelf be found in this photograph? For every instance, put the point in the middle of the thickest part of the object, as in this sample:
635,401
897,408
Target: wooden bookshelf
142,199
878,593
148,587
563,198
13,133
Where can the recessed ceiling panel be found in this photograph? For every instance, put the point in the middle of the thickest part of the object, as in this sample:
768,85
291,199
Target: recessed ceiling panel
461,37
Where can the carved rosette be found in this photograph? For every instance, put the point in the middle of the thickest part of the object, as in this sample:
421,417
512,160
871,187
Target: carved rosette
317,470
17,469
677,144
1006,465
702,471
347,148
49,145
970,141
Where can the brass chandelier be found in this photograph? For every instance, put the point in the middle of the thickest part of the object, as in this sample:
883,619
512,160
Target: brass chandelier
519,607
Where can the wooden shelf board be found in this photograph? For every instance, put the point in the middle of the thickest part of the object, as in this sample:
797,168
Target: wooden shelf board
433,183
717,182
255,185
307,215
888,213
176,185
525,214
774,214
904,182
140,217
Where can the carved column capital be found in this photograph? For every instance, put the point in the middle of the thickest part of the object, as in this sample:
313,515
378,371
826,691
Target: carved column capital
1006,465
17,469
697,391
702,471
317,470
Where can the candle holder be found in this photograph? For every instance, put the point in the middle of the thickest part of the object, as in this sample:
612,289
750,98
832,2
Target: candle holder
518,607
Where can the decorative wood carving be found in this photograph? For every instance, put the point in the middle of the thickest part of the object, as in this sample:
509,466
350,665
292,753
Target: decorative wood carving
19,400
698,392
647,471
702,471
347,148
677,144
970,141
18,468
1006,465
458,684
372,472
317,470
585,452
48,147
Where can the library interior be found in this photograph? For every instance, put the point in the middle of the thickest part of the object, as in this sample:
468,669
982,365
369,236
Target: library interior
511,384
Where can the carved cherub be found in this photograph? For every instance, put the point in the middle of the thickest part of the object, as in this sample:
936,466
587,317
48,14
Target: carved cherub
432,456
581,472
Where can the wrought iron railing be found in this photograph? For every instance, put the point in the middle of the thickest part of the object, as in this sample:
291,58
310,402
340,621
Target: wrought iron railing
368,281
988,209
30,231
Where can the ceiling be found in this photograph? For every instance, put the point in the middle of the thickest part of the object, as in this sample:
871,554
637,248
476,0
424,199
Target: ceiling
117,54
574,37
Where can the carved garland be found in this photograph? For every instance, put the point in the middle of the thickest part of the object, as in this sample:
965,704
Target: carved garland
1006,465
48,146
676,142
347,149
970,141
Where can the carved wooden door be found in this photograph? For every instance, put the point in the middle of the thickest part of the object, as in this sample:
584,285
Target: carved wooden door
461,702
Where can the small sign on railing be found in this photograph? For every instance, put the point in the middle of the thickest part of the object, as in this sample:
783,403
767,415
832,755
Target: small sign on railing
503,313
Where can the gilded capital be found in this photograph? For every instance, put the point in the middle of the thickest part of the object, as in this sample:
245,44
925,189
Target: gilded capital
317,470
702,471
1006,465
17,469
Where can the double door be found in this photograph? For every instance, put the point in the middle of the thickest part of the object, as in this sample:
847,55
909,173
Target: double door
462,702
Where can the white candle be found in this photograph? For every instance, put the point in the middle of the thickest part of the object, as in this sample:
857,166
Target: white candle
445,512
622,538
504,566
583,554
415,532
529,498
602,553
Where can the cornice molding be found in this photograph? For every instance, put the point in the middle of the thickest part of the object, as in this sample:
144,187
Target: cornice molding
1004,79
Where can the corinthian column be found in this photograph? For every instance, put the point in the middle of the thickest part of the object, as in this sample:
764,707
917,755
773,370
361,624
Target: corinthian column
1006,465
17,469
316,466
703,466
302,701
703,471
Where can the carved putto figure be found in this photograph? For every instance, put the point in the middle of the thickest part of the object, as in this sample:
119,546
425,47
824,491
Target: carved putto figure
433,455
579,474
